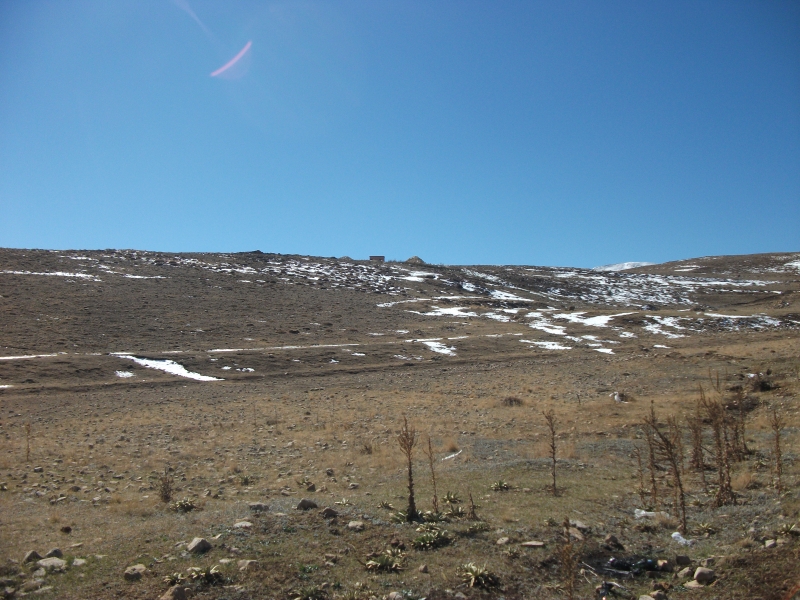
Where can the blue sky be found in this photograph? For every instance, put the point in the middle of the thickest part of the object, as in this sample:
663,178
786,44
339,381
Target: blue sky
549,133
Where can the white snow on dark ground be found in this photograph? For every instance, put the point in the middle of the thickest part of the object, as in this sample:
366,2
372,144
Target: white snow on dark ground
168,366
622,266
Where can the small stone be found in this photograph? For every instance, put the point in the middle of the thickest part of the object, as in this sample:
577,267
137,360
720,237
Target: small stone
39,573
329,472
258,507
311,488
31,556
243,525
356,525
532,544
66,529
685,572
682,560
306,504
575,533
579,526
703,575
134,572
423,568
394,596
247,565
692,585
52,564
658,595
33,584
611,540
176,592
37,469
43,589
225,561
78,562
666,566
9,592
54,552
329,513
708,562
770,544
646,598
459,596
503,541
199,545
353,486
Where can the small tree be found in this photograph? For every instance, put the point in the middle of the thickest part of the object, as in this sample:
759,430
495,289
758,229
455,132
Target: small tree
407,438
667,444
716,414
550,419
165,487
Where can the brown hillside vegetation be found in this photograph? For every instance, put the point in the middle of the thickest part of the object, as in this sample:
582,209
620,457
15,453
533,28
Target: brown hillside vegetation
148,399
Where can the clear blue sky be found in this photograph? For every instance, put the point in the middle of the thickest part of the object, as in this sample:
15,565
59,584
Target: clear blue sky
550,133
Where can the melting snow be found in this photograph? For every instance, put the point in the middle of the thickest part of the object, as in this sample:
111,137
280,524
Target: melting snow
54,274
622,266
547,345
168,366
123,374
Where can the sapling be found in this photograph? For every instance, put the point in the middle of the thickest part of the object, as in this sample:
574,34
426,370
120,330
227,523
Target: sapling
777,423
550,420
407,438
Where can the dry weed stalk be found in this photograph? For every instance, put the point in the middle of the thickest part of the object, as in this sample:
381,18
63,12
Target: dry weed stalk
407,438
777,423
550,420
472,515
568,557
667,444
697,460
165,487
651,459
429,453
642,491
28,441
716,414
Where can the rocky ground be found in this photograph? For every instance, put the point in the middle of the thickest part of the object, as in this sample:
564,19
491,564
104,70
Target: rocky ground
248,382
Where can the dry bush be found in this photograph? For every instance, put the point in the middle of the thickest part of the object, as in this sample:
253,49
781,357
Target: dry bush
450,445
744,481
512,401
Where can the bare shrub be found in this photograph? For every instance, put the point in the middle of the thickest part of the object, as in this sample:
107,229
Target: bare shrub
512,401
668,446
407,439
716,414
777,423
429,453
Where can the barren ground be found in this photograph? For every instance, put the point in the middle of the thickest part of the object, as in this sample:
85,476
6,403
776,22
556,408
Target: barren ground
315,363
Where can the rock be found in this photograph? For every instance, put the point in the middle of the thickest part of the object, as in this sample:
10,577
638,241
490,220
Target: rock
770,543
306,504
356,525
37,469
311,488
243,525
329,472
685,572
329,513
703,575
31,556
352,486
176,592
9,592
225,561
682,560
52,564
39,573
199,545
646,598
692,585
532,544
54,552
658,595
134,572
666,566
459,596
612,542
66,529
503,541
246,565
580,526
423,568
33,584
394,596
575,533
78,562
708,562
258,507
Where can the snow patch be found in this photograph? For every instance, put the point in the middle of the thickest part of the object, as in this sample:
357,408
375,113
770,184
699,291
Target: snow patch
168,366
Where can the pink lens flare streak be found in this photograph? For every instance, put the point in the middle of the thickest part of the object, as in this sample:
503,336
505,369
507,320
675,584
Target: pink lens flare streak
233,61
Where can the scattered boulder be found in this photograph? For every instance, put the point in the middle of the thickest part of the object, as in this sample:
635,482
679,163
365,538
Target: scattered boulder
685,572
258,507
31,556
395,596
78,562
356,525
658,595
306,504
666,566
243,525
353,486
704,576
576,534
199,545
329,472
52,564
646,598
612,542
692,585
329,513
503,541
770,543
423,568
311,487
682,560
66,529
533,544
54,552
134,572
